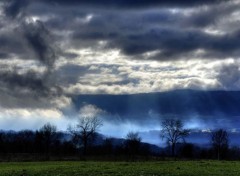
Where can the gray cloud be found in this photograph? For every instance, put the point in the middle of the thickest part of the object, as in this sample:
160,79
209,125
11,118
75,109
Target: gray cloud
172,43
29,39
69,74
133,19
228,76
15,8
134,3
27,90
11,42
29,80
168,30
4,55
176,34
40,40
210,15
27,31
30,87
53,50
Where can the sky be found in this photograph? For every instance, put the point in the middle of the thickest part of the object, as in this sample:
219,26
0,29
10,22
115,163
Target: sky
52,51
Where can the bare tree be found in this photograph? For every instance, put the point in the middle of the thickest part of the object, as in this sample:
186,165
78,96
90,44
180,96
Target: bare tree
133,142
48,132
85,130
219,139
173,132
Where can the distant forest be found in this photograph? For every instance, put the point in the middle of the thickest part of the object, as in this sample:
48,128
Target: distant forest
84,142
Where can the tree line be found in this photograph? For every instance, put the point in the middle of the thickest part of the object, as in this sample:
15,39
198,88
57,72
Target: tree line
80,143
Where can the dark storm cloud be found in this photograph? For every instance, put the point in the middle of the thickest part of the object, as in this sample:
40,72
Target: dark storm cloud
28,89
134,3
210,107
11,42
172,43
177,35
4,55
44,30
210,15
40,40
132,19
27,39
128,25
228,76
15,8
134,32
29,81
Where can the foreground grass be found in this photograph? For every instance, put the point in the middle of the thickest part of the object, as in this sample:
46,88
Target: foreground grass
162,168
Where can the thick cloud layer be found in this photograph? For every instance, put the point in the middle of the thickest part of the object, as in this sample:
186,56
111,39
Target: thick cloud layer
26,40
53,50
135,3
15,8
198,32
39,40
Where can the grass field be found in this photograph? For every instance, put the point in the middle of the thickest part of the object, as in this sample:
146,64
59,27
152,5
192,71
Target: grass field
162,168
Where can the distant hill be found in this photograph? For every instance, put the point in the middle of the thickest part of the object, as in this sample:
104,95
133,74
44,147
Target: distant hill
100,139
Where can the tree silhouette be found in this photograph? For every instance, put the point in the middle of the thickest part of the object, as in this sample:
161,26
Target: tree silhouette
48,132
85,130
133,142
219,139
173,132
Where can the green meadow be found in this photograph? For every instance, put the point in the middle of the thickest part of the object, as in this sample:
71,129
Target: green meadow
87,168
